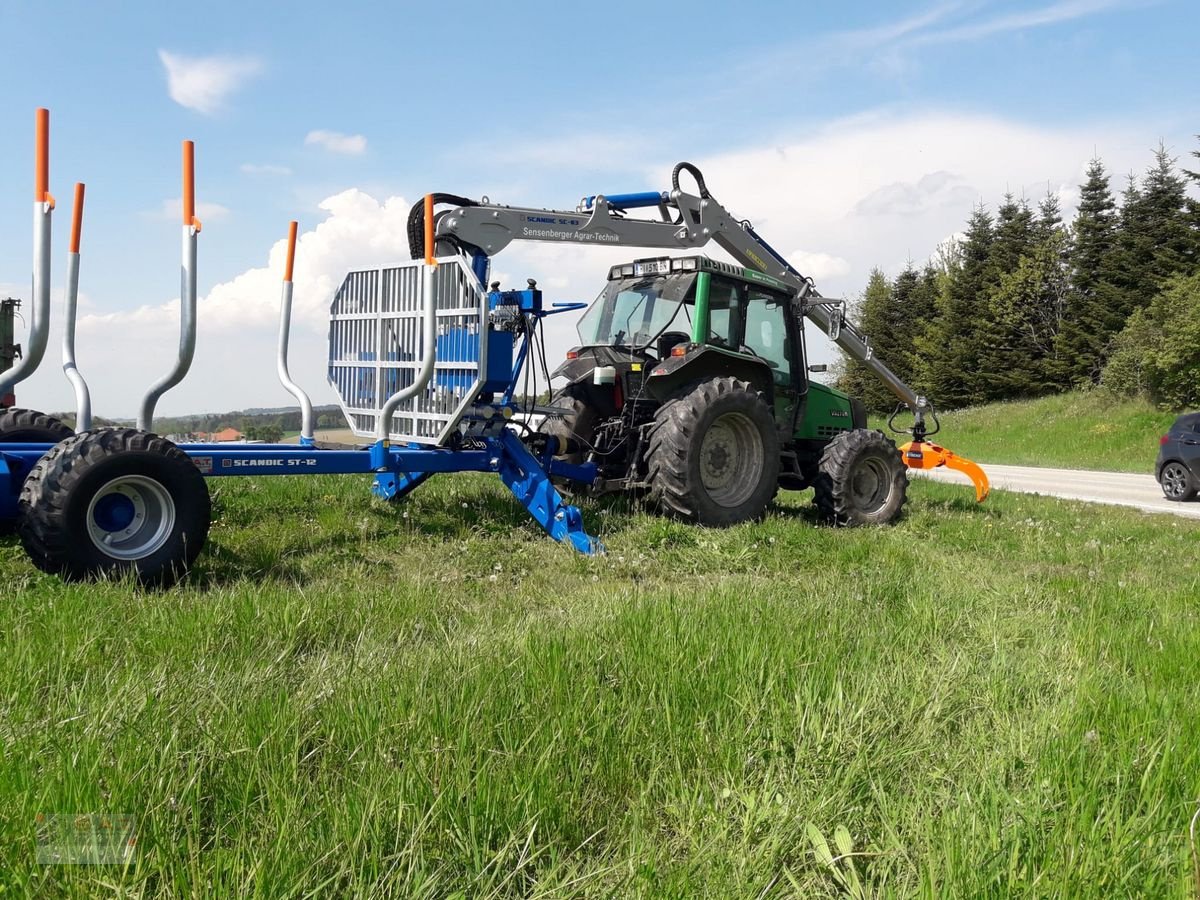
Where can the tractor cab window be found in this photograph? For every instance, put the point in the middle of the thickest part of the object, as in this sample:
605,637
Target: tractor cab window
767,333
632,313
723,301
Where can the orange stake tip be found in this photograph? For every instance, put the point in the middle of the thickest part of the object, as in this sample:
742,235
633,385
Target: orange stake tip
41,171
291,251
430,260
77,217
189,184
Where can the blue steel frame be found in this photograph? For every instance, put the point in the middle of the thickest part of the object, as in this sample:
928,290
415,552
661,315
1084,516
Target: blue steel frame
397,470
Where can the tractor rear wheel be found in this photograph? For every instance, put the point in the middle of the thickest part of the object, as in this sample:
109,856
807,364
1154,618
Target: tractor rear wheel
861,479
28,426
578,424
714,453
115,501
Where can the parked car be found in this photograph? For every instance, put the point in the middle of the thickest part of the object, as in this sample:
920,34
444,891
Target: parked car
1178,465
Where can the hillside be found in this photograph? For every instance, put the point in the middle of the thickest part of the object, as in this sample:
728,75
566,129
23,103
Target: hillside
1077,430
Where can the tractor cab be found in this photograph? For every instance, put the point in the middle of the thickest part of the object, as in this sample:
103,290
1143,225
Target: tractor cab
680,318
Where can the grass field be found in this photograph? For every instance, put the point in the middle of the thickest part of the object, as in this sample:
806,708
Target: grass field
435,700
1078,430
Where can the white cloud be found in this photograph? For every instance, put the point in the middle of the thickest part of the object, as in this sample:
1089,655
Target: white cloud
1054,14
265,169
886,48
818,266
336,142
172,210
204,83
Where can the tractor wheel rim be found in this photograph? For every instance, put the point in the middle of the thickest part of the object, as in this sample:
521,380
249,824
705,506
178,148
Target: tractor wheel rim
870,485
1174,480
131,517
731,459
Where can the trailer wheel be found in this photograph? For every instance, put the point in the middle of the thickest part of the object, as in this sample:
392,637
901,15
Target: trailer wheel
28,426
714,453
115,501
861,479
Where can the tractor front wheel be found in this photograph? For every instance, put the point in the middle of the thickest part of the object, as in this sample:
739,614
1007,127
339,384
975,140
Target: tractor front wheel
861,479
112,502
714,453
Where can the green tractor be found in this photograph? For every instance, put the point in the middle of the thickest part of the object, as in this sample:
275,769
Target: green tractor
691,379
691,384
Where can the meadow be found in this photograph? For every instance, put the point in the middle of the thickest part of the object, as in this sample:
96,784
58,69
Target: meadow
348,698
1092,429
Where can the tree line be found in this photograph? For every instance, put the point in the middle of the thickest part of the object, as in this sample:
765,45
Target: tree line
1025,304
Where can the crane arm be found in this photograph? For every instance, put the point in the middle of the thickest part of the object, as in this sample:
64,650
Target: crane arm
686,221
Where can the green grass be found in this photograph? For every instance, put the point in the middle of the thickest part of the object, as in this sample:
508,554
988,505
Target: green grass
1077,430
343,699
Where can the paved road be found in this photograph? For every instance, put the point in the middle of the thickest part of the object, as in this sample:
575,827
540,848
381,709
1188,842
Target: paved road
1139,491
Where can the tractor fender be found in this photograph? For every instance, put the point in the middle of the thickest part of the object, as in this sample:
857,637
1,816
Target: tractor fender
706,362
580,365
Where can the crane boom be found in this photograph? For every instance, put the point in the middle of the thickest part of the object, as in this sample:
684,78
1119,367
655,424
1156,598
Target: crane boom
686,221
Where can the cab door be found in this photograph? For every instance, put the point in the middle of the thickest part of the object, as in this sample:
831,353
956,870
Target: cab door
770,333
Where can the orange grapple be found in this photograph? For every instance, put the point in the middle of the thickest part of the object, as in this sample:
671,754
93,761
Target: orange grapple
927,455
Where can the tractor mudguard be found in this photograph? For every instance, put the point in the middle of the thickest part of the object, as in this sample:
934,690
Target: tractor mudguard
927,455
705,362
579,366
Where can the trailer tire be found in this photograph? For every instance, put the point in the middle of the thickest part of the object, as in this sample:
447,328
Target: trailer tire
713,453
861,479
28,426
113,502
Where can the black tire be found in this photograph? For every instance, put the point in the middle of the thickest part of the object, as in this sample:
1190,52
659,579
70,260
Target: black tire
579,424
81,504
1177,482
861,479
28,426
713,454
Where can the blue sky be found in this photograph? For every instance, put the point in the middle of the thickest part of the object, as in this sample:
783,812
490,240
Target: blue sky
853,134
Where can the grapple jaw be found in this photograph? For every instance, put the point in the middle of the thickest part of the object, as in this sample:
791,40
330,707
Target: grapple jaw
928,455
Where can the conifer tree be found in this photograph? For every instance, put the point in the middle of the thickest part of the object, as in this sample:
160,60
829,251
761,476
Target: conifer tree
873,314
1090,316
961,330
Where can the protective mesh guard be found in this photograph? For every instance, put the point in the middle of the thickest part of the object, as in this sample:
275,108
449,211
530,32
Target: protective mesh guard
375,348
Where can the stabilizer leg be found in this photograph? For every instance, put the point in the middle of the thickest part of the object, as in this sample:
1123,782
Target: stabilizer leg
927,455
524,476
397,485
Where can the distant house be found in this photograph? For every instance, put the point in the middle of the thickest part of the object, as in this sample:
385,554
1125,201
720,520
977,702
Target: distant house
227,434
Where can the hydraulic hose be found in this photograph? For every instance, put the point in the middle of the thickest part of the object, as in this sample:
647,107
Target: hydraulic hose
695,173
416,221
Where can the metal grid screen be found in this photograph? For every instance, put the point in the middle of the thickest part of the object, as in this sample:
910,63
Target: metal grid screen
375,348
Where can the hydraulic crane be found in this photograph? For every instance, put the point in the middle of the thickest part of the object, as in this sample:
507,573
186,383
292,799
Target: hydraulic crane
621,436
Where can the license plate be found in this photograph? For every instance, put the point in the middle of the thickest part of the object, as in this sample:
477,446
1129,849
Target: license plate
654,267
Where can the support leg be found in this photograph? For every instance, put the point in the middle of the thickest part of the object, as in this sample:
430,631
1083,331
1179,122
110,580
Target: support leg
524,476
397,485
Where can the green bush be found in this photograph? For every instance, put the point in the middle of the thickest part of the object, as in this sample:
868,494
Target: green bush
1157,354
